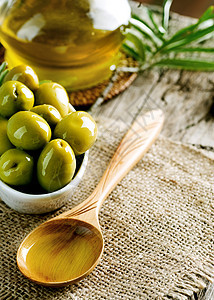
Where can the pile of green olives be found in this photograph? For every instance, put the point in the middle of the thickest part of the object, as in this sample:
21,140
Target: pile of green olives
41,134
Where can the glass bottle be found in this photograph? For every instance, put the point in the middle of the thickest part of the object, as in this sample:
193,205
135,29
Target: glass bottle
73,42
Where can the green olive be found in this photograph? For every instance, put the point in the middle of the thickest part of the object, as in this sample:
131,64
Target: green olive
16,167
5,143
54,94
24,74
48,112
56,165
27,130
79,129
15,96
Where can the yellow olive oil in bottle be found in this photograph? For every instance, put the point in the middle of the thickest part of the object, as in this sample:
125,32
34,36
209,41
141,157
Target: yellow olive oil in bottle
72,42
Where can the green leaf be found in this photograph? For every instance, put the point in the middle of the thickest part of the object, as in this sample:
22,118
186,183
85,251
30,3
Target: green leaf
158,30
194,49
138,44
164,54
166,9
130,51
150,15
2,75
189,38
186,31
207,15
3,66
145,31
136,17
186,64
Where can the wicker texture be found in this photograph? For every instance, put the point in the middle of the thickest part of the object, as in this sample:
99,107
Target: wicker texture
124,79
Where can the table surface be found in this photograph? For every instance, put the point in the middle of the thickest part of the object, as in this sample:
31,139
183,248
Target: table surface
187,99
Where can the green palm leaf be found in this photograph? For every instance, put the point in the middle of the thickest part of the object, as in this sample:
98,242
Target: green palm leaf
193,36
186,64
2,75
166,9
151,44
145,31
157,29
194,49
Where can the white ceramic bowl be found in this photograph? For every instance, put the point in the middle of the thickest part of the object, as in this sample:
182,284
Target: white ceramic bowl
41,203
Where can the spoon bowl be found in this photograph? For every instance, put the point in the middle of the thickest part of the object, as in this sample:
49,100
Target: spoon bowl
68,247
79,244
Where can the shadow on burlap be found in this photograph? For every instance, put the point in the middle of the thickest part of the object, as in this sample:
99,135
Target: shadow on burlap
157,224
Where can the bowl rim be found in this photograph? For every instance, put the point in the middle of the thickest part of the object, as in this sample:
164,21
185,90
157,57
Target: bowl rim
73,183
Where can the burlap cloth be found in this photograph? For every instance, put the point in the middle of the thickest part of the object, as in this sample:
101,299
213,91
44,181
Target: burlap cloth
158,228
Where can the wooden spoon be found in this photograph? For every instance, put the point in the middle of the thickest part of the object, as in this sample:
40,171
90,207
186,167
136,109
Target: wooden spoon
68,247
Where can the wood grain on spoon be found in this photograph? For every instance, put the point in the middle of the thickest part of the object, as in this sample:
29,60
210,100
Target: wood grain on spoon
66,248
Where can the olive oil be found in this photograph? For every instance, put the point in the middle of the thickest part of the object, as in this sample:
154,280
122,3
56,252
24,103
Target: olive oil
61,252
65,41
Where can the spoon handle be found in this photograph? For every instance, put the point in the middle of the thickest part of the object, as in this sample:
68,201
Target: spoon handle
137,141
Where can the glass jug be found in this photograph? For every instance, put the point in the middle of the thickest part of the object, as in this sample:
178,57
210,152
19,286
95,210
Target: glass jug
73,42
